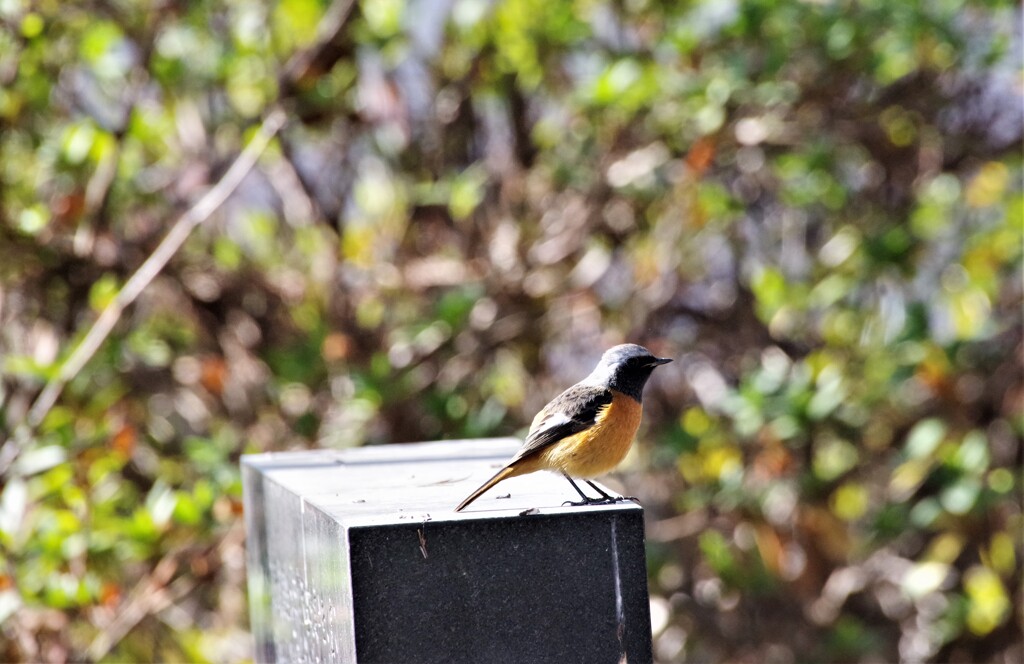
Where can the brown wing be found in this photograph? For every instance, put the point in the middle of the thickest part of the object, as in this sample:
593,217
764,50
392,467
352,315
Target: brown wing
569,413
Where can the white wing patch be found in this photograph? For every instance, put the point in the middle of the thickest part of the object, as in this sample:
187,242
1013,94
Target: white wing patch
550,421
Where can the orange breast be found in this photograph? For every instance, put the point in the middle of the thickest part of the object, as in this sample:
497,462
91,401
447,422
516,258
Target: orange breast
600,448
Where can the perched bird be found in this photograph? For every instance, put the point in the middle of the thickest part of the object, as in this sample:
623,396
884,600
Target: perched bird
586,430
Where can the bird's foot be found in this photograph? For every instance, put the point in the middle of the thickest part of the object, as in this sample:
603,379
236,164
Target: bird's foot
609,500
588,501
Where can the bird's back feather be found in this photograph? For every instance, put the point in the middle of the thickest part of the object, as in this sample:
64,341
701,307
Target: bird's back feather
571,412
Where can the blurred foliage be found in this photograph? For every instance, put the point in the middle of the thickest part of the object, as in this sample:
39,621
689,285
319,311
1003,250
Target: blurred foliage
815,207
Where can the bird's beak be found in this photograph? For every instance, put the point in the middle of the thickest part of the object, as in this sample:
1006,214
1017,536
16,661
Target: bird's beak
658,361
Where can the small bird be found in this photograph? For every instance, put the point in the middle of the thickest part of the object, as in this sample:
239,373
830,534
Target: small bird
586,431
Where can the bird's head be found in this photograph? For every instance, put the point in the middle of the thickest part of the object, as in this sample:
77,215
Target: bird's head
626,368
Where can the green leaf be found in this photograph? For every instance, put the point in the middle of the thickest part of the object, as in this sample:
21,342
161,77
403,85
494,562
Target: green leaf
972,455
925,437
103,292
40,459
467,193
961,496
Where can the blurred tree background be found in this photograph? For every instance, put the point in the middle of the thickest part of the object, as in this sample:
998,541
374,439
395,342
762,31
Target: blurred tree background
814,206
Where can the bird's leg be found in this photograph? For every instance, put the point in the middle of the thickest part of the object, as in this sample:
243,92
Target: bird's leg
600,491
587,500
606,497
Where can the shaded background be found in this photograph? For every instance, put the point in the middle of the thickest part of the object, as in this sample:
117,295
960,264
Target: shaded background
815,207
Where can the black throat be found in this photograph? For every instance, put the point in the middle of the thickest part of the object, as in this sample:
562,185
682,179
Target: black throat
631,383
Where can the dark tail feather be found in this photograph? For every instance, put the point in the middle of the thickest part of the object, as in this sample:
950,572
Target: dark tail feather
499,476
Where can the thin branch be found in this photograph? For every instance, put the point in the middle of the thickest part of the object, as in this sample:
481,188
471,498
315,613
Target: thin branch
142,277
151,595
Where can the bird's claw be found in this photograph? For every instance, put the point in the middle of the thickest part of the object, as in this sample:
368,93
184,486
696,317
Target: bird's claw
601,501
